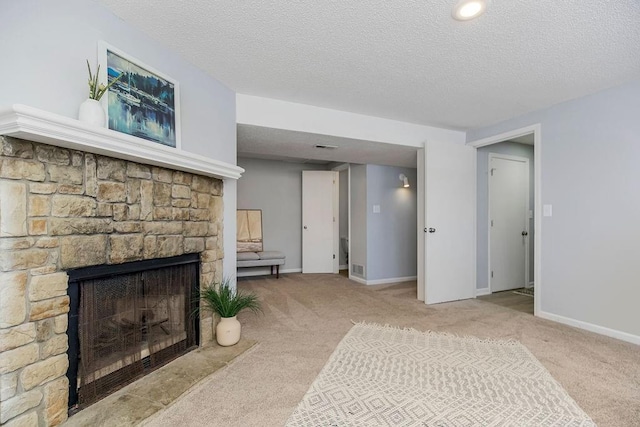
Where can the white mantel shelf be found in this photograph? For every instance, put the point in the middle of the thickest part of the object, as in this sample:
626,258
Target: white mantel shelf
21,121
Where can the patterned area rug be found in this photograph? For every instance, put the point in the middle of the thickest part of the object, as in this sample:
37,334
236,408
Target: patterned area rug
384,376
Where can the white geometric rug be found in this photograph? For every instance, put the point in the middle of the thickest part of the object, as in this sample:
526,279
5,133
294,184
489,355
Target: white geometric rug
385,376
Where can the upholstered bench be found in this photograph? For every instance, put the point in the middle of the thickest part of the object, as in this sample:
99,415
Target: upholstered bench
261,259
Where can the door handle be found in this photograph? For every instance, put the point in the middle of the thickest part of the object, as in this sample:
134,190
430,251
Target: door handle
432,230
524,233
305,227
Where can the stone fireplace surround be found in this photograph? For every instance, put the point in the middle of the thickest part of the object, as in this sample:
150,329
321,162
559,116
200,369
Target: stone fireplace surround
64,208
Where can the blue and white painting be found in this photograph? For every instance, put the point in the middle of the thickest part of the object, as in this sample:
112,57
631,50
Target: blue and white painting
141,103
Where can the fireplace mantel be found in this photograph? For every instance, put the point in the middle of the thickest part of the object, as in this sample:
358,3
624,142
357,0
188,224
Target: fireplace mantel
21,121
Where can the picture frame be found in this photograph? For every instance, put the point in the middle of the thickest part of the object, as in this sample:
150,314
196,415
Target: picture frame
249,230
144,103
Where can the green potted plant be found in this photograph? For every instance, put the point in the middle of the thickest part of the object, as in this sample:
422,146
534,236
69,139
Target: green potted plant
222,299
90,110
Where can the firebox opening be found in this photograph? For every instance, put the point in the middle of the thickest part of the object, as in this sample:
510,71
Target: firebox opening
128,319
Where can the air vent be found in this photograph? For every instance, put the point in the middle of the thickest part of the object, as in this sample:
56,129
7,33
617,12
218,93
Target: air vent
326,147
357,269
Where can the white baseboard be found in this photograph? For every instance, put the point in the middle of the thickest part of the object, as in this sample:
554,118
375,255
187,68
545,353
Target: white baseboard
383,281
344,267
392,280
357,279
253,271
483,291
624,336
531,284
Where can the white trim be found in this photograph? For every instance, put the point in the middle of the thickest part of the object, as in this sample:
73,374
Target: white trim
384,281
344,266
531,284
483,291
358,279
536,129
624,336
420,230
336,222
505,136
524,160
349,219
30,123
263,271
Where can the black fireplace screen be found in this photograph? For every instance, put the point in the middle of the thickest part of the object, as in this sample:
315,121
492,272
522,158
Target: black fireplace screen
130,321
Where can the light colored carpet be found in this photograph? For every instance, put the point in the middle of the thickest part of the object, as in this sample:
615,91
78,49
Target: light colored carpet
306,316
386,376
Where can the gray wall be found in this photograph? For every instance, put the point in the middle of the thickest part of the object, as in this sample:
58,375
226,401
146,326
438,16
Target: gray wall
391,234
591,175
344,211
514,149
276,188
45,44
358,210
44,47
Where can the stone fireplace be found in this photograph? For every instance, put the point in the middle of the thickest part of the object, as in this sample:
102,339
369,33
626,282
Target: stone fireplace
63,209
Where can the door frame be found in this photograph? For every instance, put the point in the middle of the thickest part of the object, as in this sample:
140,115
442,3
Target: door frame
536,129
420,190
340,168
526,222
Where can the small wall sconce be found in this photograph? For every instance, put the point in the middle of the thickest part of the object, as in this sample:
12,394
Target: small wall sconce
405,180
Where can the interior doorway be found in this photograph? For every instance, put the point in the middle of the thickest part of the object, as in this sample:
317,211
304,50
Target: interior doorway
505,222
343,218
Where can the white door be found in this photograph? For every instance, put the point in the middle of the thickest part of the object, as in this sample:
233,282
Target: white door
508,222
319,222
450,215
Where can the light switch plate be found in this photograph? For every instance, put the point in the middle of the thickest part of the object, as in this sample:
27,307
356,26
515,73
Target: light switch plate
547,210
376,208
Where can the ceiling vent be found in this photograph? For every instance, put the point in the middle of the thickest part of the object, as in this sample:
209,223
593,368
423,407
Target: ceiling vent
326,147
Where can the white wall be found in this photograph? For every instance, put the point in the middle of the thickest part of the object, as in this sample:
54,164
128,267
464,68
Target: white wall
44,46
391,233
276,188
590,156
273,113
514,149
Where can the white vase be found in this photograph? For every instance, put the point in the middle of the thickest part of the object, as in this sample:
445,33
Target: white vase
228,331
91,111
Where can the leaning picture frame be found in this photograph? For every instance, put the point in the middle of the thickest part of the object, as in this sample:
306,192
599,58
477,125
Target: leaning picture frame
144,102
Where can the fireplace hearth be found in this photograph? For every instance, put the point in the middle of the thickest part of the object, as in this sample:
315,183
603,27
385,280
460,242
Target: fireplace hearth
127,320
64,210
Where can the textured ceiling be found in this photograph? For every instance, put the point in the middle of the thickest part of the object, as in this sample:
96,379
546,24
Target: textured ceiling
277,144
405,60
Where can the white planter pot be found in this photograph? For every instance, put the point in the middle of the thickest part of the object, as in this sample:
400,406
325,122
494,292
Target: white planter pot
228,331
91,111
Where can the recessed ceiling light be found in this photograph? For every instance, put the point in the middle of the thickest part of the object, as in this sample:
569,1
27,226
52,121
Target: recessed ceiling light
465,10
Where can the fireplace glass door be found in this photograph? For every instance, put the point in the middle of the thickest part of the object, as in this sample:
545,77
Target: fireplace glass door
131,322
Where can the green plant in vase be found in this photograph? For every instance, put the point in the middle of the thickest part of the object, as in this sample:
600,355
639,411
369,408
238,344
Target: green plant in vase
90,110
222,299
96,89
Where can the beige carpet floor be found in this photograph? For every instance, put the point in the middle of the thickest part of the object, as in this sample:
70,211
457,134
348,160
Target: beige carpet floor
306,316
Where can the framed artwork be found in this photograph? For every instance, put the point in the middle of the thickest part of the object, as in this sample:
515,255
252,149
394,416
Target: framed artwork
143,102
249,226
